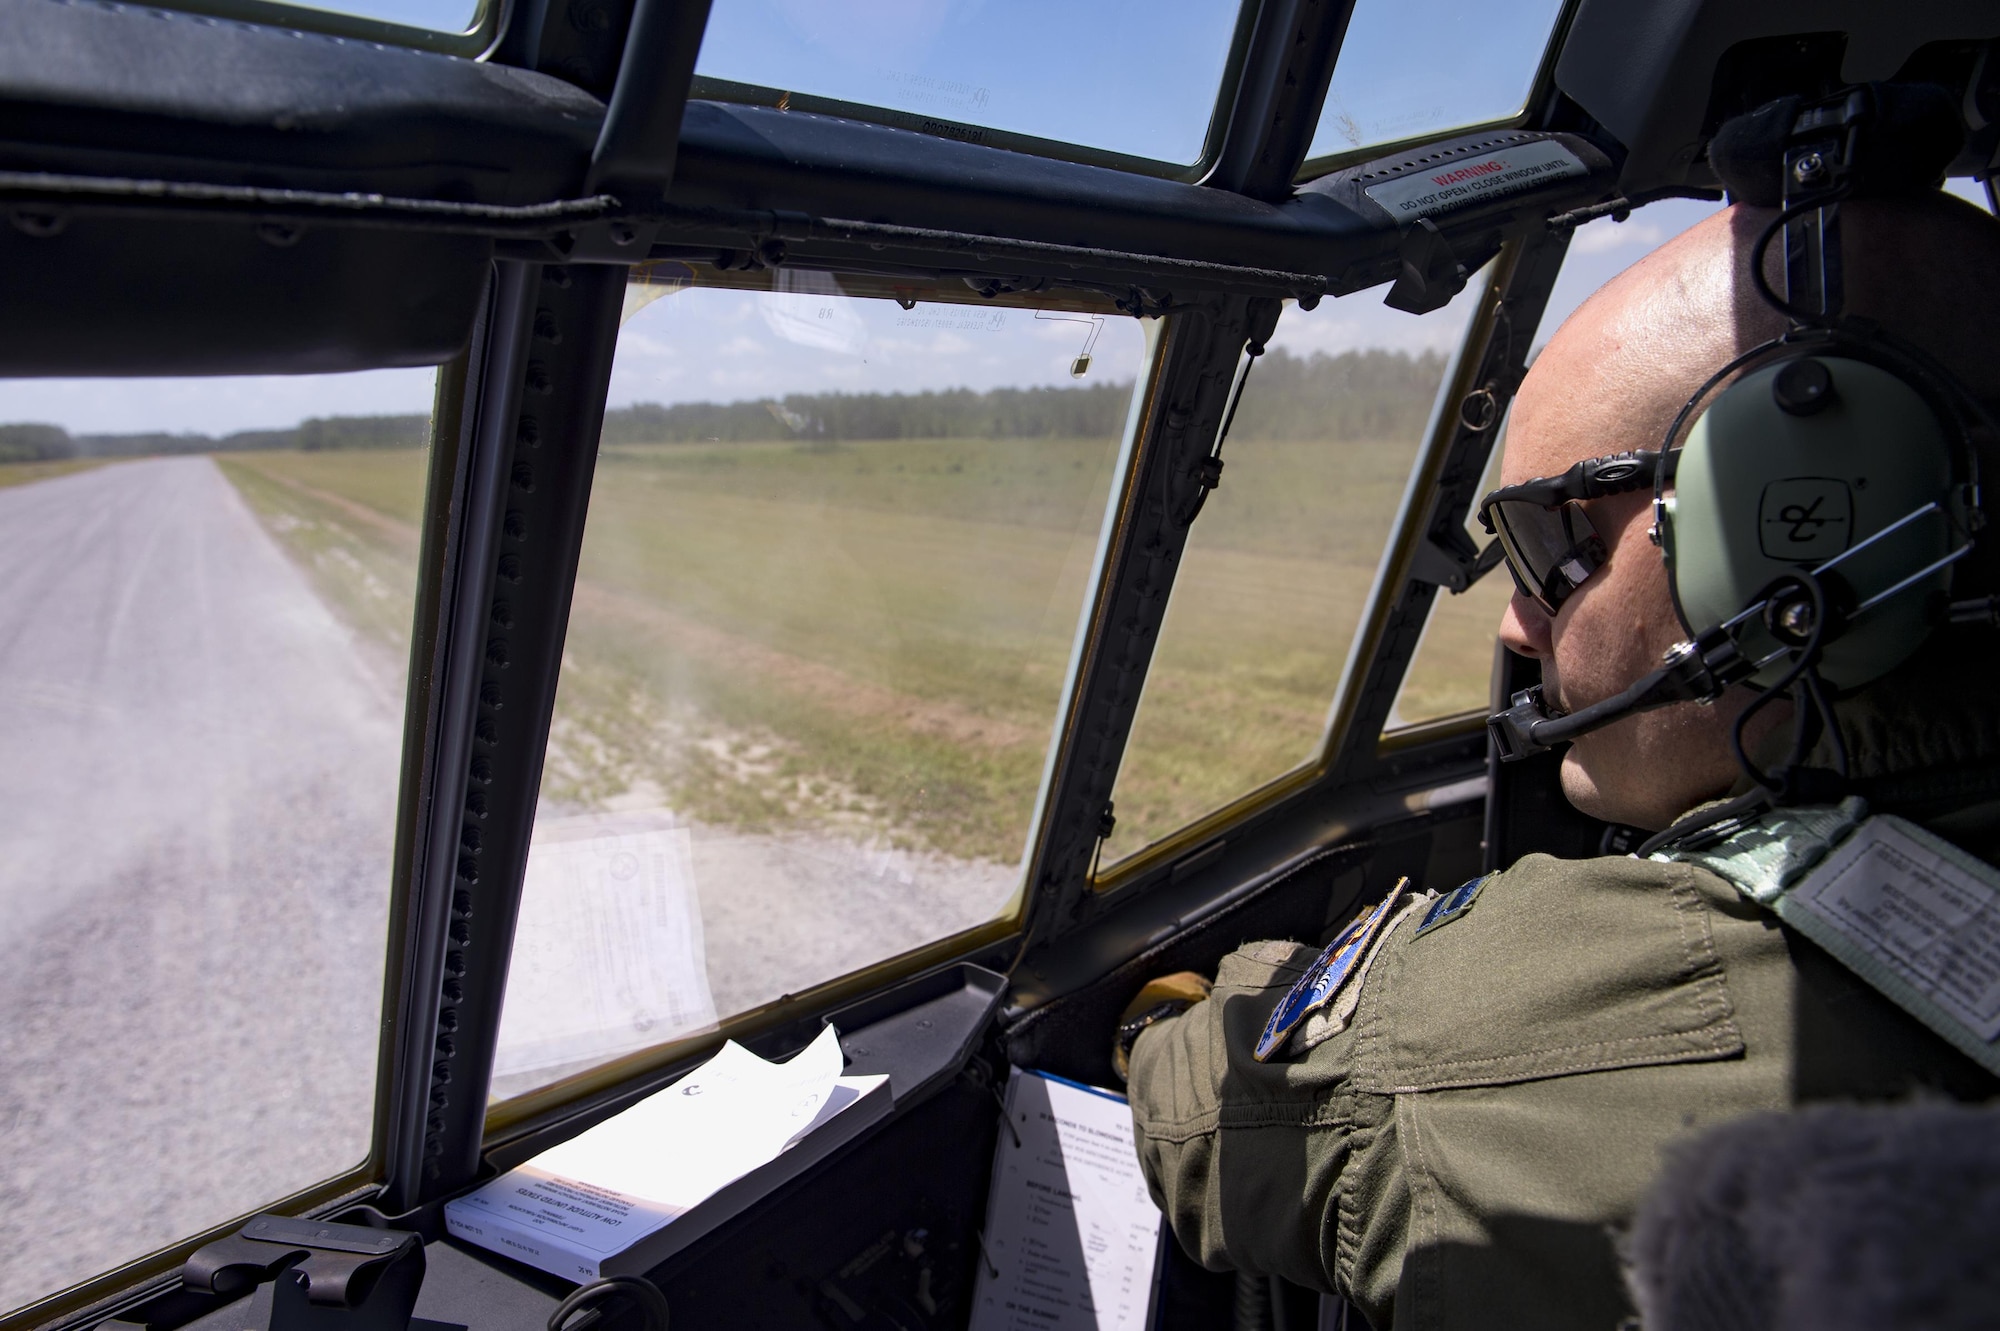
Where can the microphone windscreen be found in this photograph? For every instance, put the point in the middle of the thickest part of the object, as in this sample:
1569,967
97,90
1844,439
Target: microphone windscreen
1748,153
1905,145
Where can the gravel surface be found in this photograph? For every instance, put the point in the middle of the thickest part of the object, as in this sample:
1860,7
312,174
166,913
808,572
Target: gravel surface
197,790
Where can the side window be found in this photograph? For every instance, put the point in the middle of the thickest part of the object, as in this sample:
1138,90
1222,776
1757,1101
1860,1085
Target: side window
1279,565
835,562
1450,673
204,636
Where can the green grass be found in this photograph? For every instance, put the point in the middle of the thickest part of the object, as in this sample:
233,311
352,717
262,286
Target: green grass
872,639
350,519
1264,609
1451,671
27,473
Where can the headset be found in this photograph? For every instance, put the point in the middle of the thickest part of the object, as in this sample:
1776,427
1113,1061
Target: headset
1813,496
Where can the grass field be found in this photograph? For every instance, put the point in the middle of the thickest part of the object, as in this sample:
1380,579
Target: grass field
25,473
1263,612
870,640
350,517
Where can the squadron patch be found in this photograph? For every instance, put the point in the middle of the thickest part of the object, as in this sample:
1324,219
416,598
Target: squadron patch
1324,977
1451,905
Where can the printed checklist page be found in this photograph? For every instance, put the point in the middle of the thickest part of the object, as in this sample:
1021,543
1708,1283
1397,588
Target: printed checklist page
1072,1236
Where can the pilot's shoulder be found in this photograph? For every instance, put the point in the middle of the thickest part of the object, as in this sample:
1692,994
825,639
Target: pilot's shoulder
1555,967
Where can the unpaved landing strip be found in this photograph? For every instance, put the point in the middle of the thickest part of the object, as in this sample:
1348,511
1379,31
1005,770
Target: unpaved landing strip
197,789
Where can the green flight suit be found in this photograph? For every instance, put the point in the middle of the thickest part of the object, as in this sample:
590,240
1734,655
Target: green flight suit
1462,1154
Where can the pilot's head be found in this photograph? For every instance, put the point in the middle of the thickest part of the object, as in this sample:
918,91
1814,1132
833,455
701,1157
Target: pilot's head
1613,378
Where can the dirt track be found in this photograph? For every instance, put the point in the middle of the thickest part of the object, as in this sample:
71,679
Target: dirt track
197,787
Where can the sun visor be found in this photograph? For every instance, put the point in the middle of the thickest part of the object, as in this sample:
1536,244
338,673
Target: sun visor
123,296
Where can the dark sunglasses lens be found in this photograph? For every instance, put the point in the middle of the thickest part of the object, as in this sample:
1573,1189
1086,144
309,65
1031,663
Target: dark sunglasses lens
1550,550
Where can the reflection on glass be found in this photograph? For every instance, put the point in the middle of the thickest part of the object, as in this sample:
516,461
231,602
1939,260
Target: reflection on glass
204,629
832,574
1279,565
1410,68
1453,665
1137,77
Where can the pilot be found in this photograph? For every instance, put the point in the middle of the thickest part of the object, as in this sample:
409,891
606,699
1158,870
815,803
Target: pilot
1455,1124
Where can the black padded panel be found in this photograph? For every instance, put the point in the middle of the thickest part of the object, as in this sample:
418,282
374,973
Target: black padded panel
1644,71
788,161
1071,1036
111,89
123,296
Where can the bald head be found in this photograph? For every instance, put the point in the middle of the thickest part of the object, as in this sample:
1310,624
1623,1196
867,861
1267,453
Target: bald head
1614,377
1618,370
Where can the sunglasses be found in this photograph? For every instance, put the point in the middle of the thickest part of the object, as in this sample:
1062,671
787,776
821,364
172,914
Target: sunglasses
1550,546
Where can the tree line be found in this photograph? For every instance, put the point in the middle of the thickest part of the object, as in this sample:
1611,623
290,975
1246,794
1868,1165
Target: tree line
1355,395
47,443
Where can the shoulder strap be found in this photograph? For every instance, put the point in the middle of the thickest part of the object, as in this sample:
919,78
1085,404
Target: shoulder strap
1907,911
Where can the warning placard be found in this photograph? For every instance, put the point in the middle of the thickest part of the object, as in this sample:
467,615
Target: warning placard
1933,922
1454,184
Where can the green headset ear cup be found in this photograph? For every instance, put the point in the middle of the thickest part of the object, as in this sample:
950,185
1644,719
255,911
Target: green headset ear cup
1759,491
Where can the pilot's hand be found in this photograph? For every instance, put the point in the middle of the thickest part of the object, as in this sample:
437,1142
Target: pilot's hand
1162,997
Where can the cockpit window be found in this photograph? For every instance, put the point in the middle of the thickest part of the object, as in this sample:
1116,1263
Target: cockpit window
1279,565
1134,78
437,15
204,634
1453,666
1412,69
833,571
459,27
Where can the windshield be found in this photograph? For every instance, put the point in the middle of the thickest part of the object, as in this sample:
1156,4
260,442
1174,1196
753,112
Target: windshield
206,594
1413,68
1133,77
837,555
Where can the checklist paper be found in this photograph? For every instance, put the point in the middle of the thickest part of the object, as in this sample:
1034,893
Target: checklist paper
1072,1236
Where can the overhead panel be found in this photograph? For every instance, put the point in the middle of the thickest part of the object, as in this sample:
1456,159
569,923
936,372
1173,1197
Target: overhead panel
1411,69
1136,79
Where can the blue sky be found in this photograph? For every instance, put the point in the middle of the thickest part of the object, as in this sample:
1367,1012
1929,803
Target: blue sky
1409,67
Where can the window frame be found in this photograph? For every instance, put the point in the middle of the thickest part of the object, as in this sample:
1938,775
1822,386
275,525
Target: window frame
523,1115
103,1295
1539,89
1392,574
709,88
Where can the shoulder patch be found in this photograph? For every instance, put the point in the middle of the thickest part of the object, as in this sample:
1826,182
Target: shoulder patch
1451,905
1324,978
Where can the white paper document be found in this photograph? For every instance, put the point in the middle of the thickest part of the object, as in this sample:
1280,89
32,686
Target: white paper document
608,955
604,1190
1071,1231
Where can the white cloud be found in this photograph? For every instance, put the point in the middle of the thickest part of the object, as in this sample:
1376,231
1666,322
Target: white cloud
1604,235
1361,321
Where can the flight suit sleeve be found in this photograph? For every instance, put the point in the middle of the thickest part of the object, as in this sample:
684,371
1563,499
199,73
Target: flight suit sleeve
1277,1168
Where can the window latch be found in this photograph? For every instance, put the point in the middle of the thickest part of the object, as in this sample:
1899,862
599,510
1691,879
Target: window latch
329,1277
1454,564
